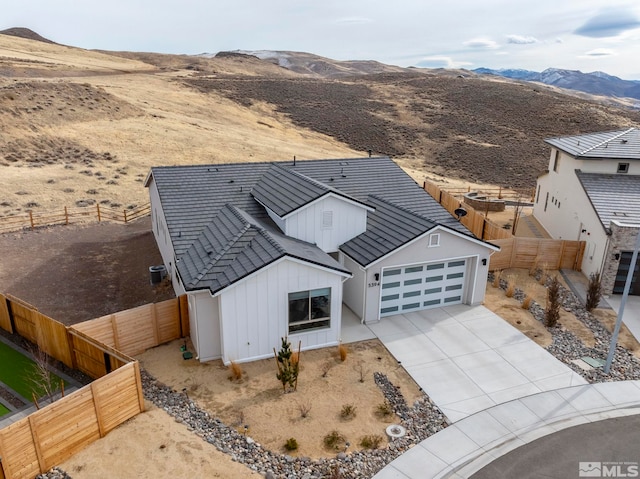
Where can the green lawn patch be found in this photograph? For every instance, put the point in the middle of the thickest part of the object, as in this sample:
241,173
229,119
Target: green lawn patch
19,373
3,410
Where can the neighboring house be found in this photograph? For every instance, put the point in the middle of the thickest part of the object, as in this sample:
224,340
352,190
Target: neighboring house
591,192
265,250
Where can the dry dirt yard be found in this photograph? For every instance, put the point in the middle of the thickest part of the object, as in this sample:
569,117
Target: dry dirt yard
511,310
325,386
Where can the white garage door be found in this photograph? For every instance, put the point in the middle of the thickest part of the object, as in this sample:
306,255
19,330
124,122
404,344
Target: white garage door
422,286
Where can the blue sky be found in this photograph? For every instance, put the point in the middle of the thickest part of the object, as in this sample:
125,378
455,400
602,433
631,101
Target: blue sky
585,35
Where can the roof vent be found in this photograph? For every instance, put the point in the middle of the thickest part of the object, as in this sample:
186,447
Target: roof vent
623,141
231,181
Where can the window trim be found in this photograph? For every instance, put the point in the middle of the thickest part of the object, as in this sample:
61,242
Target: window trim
434,240
323,322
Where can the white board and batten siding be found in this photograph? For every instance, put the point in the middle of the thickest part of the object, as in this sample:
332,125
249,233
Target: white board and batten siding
255,311
354,288
452,248
327,222
204,324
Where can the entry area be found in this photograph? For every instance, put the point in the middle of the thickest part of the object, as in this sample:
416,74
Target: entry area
621,276
422,286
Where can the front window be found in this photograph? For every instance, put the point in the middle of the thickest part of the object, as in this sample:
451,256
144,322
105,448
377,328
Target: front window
309,310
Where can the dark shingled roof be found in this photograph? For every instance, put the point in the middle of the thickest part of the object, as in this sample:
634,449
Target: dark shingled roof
619,144
202,206
235,245
613,196
285,190
388,228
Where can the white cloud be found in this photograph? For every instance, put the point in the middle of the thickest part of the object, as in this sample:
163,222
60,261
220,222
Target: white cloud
521,40
599,52
438,61
481,43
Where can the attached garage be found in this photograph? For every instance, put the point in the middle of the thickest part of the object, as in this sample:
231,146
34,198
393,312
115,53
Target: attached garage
421,286
621,276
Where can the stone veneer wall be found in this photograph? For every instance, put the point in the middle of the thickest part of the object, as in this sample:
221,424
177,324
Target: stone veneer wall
623,238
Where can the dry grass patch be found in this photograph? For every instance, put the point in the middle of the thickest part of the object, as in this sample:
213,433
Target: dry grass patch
274,417
607,318
511,309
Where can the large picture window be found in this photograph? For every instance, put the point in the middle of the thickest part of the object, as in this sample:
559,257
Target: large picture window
309,310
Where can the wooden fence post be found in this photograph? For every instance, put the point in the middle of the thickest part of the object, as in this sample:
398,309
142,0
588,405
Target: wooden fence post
36,442
97,408
66,216
98,209
125,216
31,218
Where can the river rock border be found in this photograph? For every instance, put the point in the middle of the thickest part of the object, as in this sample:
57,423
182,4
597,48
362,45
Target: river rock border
567,347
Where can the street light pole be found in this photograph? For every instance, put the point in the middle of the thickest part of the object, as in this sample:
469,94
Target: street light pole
623,302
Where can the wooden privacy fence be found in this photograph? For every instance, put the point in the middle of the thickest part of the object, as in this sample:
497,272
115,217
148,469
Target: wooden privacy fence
56,432
100,345
100,348
476,222
529,253
68,216
515,252
135,330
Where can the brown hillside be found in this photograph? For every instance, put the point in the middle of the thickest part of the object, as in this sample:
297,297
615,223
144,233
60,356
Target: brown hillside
84,127
22,32
472,128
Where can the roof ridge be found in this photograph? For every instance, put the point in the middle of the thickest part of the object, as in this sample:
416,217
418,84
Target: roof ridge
274,242
607,141
306,178
223,251
402,208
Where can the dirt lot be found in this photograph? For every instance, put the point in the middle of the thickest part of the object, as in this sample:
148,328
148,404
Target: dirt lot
76,273
257,399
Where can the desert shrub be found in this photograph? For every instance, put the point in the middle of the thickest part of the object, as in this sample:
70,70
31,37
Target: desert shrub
384,409
552,311
594,292
348,412
543,274
526,302
361,370
511,287
304,408
291,444
236,371
496,278
342,352
334,441
371,441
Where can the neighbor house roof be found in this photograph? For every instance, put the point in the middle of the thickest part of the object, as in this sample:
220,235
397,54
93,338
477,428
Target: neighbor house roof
613,196
619,144
285,190
234,245
200,203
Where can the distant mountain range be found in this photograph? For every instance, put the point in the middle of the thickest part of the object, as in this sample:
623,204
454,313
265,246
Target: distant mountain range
595,83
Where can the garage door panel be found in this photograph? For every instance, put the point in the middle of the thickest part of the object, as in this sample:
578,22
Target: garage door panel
420,286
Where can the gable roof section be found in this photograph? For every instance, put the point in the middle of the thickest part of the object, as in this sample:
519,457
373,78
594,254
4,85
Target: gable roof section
389,228
235,245
613,196
208,207
285,190
619,144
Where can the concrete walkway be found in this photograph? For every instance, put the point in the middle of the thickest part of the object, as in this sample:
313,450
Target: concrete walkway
470,444
468,359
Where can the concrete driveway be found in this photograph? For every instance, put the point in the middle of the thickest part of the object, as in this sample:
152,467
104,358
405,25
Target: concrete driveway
631,314
468,359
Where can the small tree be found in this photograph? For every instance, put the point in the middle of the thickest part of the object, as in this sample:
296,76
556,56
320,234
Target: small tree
552,311
288,365
594,292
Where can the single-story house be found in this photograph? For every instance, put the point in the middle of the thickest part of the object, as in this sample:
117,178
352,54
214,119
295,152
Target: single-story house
591,193
265,250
